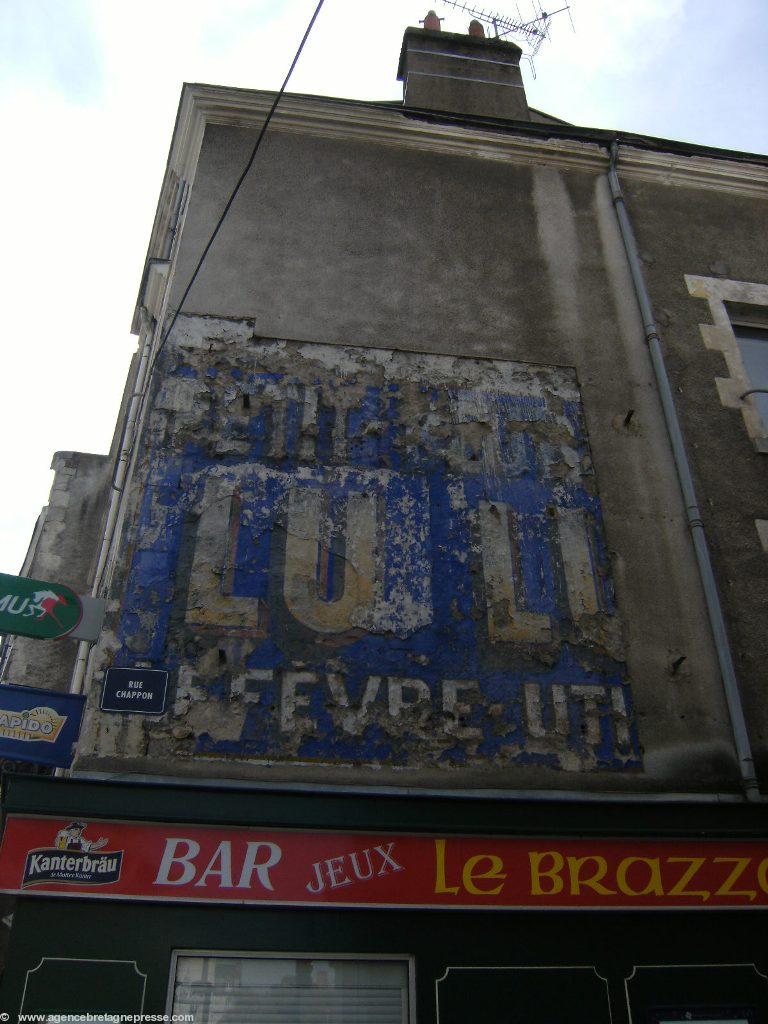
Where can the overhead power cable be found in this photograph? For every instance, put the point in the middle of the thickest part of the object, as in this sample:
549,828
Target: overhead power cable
236,189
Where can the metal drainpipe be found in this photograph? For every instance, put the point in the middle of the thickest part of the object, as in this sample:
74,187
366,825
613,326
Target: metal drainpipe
693,514
116,494
132,425
134,414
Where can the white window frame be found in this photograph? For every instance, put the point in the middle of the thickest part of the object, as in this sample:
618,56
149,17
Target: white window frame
757,328
249,954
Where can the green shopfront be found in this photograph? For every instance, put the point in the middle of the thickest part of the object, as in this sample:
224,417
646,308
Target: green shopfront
232,905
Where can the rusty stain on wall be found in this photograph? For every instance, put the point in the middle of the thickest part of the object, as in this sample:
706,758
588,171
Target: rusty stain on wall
361,556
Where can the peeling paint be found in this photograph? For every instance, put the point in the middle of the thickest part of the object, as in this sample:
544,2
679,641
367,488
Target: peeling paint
359,556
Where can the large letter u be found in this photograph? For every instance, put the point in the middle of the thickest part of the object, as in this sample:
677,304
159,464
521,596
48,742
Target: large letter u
300,584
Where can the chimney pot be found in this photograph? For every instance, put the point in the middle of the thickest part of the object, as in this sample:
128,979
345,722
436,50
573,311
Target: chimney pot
432,22
476,29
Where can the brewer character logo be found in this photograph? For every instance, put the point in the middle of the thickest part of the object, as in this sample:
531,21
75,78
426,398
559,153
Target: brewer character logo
36,724
71,838
73,860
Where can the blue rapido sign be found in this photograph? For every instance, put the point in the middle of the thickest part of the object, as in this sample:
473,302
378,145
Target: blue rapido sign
38,725
136,690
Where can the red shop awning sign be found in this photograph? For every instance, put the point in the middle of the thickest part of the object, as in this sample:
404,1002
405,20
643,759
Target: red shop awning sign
192,863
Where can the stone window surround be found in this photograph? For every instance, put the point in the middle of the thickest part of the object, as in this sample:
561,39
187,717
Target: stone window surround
720,337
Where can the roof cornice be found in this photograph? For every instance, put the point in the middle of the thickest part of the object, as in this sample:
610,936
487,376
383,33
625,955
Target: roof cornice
392,125
396,126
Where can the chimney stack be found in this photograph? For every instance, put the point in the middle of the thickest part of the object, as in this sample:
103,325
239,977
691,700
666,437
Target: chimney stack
461,74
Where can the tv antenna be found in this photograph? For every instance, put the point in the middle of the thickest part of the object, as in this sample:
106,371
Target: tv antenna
533,30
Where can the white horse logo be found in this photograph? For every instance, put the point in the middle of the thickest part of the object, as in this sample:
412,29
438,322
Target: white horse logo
44,602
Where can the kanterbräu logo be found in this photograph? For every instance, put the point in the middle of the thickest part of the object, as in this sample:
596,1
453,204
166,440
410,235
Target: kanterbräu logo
73,860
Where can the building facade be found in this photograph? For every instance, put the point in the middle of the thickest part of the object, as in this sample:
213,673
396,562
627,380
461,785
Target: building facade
443,507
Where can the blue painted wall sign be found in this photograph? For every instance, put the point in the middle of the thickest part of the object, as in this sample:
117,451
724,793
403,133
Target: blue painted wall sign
359,556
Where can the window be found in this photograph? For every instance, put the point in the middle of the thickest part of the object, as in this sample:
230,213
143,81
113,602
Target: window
696,1015
753,346
697,993
232,988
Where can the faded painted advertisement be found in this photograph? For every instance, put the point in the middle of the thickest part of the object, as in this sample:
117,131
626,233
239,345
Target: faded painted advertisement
359,556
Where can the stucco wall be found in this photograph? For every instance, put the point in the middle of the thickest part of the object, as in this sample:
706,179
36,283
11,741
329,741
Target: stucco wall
706,260
64,552
358,245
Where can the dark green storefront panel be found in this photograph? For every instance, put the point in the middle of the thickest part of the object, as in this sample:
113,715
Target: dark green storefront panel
494,968
76,798
73,985
545,967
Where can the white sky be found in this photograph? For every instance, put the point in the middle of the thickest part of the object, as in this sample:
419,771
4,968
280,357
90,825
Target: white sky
88,97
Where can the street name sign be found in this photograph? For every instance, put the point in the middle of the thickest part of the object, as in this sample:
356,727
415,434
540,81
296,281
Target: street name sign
141,690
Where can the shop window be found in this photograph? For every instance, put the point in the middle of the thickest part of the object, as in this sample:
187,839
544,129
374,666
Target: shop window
79,986
753,347
698,994
271,989
700,1015
522,995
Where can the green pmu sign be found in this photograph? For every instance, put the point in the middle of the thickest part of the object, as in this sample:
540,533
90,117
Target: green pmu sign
36,608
